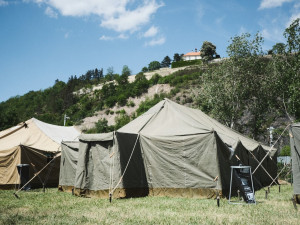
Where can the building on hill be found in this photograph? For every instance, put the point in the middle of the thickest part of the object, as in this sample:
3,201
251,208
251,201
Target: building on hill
193,55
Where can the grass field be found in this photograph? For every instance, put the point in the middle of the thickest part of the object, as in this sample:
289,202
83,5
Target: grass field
53,207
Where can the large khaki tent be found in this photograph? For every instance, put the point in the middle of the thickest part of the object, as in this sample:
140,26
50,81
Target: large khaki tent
32,142
170,150
295,153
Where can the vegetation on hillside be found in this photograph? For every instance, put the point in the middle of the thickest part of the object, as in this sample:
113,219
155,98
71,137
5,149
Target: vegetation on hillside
247,91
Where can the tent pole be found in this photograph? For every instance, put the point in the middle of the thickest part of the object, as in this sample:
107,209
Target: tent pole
260,163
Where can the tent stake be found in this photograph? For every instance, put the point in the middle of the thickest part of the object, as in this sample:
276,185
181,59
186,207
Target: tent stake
294,202
266,195
16,196
269,189
110,197
218,201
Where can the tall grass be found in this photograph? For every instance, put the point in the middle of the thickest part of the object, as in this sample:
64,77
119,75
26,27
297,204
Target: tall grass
53,207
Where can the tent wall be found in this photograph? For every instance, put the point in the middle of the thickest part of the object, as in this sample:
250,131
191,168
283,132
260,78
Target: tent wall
224,162
94,168
181,165
9,159
9,177
37,160
295,153
68,165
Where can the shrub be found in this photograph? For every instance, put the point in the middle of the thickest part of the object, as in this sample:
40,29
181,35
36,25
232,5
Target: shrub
186,63
285,151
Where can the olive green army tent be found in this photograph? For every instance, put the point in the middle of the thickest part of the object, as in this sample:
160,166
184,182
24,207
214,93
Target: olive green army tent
171,150
295,154
34,143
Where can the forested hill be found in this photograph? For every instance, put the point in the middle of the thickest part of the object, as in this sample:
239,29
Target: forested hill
248,91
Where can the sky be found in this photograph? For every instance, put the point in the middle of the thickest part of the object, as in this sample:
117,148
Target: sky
45,40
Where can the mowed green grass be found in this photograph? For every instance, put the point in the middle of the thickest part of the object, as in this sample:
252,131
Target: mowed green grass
54,207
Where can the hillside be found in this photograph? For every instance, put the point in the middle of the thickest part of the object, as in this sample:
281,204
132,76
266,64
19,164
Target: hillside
248,92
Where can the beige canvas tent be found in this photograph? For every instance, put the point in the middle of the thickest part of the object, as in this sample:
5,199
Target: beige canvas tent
32,142
171,150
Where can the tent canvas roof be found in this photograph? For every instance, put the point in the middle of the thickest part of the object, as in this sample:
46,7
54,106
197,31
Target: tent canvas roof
37,134
168,118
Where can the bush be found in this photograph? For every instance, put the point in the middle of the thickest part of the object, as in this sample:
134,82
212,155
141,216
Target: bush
130,104
186,63
285,151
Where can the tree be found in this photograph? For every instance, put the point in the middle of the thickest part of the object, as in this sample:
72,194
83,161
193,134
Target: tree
166,62
154,65
176,57
110,73
208,51
292,33
145,69
96,74
278,48
243,46
123,79
291,67
239,85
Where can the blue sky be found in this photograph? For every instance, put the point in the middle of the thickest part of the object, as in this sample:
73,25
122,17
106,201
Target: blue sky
45,40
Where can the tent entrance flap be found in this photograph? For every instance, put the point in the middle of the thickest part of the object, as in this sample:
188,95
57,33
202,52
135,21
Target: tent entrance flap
134,174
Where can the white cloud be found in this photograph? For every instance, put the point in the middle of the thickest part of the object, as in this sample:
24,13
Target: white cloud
50,12
151,32
117,15
273,34
294,16
122,36
106,38
156,41
266,4
3,3
111,38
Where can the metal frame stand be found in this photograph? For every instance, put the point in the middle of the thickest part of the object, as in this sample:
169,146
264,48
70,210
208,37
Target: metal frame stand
250,173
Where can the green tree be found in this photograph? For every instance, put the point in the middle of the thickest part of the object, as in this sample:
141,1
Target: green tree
278,48
166,62
123,79
154,65
243,46
109,74
208,51
176,57
290,67
239,85
145,69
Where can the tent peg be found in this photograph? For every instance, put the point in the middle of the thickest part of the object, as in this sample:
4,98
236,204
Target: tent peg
266,195
16,196
218,201
294,202
110,197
